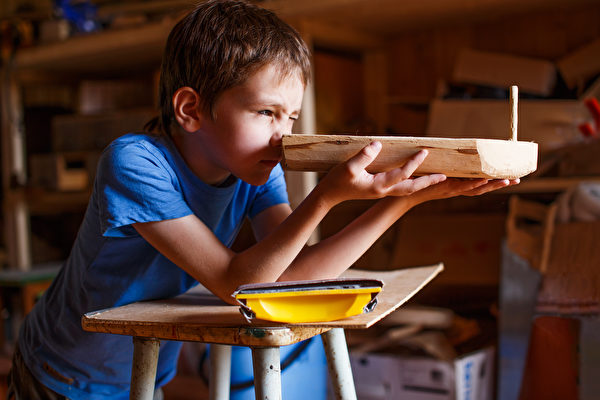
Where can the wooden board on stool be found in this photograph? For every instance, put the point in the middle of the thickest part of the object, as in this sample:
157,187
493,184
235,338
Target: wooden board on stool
195,314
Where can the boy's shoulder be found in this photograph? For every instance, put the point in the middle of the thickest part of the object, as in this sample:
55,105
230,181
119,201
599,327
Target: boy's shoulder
140,138
140,142
138,149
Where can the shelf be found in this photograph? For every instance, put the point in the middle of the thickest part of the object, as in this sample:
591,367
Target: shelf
44,202
105,52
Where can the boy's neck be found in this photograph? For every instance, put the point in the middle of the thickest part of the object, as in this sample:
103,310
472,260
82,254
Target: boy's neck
191,152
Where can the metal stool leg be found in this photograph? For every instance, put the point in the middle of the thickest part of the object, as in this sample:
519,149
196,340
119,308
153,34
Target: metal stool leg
220,372
267,373
338,363
143,369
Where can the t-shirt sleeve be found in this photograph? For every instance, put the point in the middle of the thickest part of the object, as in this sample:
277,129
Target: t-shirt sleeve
135,184
271,193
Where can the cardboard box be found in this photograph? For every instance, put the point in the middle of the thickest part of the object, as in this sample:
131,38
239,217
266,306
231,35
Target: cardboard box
550,123
468,244
532,75
389,377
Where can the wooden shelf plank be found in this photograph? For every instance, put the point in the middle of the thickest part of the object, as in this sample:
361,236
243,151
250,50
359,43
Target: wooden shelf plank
117,50
548,185
45,202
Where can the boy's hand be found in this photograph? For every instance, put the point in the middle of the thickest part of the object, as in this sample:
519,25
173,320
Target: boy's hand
461,187
350,180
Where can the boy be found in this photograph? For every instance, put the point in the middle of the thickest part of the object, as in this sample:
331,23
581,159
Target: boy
165,207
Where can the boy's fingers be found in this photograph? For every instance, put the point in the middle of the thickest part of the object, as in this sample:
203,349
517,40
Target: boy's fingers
413,163
409,186
490,186
423,182
393,177
365,156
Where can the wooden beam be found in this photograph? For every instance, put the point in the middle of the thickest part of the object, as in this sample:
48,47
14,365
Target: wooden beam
469,158
108,50
14,172
286,7
300,184
336,36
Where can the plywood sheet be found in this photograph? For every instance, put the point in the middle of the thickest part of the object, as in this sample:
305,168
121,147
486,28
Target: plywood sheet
200,316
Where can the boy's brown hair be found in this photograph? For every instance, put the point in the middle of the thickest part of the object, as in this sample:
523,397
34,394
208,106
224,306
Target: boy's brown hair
218,46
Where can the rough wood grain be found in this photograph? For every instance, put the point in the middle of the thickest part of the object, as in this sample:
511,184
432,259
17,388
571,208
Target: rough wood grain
467,158
200,316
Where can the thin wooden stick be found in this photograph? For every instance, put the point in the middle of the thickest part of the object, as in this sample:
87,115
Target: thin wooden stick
514,118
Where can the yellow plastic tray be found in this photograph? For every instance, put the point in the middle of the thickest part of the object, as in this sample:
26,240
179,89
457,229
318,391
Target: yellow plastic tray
308,301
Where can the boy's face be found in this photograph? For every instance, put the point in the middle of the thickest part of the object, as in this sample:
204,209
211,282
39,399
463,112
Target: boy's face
244,137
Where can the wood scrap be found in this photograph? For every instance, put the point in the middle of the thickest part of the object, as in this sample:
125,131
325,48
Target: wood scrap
425,316
433,343
391,337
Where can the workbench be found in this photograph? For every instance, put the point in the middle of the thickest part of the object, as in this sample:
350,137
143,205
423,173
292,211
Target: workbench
201,317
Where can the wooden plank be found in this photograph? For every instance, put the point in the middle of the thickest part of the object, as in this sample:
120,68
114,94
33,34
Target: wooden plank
531,75
393,16
200,316
336,36
494,159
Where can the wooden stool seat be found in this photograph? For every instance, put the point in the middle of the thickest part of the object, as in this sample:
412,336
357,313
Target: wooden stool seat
199,316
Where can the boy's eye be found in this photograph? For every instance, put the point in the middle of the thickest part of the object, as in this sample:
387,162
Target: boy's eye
268,113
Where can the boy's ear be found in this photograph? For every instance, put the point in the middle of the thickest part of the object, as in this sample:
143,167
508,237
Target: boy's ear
188,109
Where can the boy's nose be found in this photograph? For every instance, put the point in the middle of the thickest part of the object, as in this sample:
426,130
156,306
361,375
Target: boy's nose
275,140
280,130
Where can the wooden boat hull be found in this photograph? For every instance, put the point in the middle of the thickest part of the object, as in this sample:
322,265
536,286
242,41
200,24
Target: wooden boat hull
465,158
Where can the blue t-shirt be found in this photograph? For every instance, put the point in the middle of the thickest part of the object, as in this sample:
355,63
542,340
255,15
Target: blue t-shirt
140,178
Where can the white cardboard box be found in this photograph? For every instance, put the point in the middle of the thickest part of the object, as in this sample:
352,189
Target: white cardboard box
390,377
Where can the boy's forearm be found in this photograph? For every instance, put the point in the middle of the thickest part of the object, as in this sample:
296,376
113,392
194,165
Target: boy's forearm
332,256
268,259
